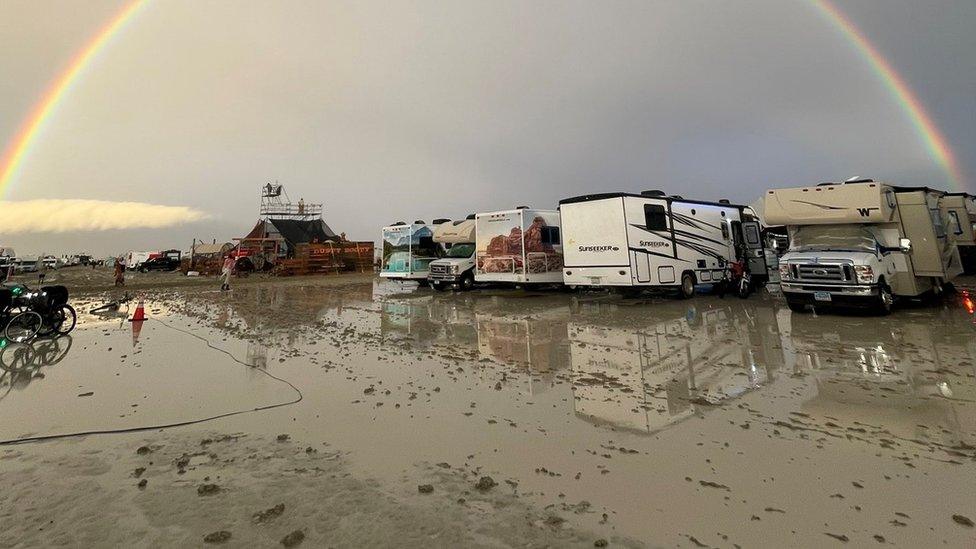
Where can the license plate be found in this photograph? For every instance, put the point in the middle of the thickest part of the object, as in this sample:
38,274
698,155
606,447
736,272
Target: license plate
821,296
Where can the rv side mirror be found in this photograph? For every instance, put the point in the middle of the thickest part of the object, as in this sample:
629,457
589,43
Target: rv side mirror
905,245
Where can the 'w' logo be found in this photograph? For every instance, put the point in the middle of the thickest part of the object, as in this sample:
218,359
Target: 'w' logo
865,211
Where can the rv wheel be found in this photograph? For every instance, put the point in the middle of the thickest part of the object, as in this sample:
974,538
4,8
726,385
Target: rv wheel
687,288
439,286
796,306
467,281
885,299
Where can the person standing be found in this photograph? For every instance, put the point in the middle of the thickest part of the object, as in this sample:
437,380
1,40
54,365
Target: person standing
225,272
119,271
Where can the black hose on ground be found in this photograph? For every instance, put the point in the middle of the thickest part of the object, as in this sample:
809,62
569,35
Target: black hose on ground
43,438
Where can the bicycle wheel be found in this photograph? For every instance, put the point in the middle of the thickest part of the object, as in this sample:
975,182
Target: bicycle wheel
66,319
23,327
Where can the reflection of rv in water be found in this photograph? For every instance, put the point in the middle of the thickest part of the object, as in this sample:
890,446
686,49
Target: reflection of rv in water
408,251
861,243
537,344
521,246
654,240
959,213
645,379
889,373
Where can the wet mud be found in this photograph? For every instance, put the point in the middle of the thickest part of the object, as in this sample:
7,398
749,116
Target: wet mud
495,417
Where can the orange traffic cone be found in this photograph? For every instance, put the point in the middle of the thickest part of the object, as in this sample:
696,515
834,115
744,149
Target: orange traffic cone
140,313
136,330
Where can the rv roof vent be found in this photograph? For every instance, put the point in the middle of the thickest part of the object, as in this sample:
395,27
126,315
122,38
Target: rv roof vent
470,216
724,201
654,192
678,196
458,222
521,207
859,179
825,184
419,222
399,223
439,220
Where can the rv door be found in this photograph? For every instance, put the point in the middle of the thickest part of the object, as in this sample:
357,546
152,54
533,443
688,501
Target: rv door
753,244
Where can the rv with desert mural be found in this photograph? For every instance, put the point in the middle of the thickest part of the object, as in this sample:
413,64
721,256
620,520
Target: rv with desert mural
520,246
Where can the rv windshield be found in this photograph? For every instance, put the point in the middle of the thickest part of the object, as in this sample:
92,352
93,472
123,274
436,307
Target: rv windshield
461,250
841,238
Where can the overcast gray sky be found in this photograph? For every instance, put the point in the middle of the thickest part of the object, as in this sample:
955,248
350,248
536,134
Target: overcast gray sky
394,110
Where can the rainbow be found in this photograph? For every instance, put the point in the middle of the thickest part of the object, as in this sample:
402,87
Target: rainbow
935,142
933,139
14,156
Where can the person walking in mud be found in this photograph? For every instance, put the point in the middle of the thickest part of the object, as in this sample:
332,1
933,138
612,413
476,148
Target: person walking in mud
225,272
119,271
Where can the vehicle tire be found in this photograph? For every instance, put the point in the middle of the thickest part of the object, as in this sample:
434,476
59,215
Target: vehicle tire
423,283
467,281
439,286
885,299
687,288
23,327
796,306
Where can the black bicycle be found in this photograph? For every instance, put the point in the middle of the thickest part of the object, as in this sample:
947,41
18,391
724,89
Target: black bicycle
17,322
50,303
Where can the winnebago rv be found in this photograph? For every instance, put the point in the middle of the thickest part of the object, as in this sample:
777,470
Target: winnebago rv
959,213
408,250
654,240
457,266
861,243
520,246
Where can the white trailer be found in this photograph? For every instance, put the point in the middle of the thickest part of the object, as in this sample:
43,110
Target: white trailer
653,240
408,250
861,243
520,246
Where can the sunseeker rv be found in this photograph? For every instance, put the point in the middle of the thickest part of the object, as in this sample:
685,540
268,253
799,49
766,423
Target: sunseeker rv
959,213
861,243
520,246
654,240
457,266
408,251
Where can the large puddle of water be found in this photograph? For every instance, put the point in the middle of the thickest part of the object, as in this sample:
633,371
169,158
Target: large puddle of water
727,421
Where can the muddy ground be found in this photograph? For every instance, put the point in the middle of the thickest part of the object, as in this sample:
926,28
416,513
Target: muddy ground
356,412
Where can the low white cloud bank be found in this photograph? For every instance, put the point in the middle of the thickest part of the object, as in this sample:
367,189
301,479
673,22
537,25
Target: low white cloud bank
72,215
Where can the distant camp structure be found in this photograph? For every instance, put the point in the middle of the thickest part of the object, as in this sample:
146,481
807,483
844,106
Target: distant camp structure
292,238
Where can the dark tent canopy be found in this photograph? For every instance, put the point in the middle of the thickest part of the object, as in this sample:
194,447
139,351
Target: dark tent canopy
293,231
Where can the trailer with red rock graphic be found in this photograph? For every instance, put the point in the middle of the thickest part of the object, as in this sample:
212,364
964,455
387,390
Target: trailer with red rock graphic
520,246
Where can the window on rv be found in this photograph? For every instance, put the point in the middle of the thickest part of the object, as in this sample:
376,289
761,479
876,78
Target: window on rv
752,234
655,217
937,223
550,235
954,225
840,238
461,250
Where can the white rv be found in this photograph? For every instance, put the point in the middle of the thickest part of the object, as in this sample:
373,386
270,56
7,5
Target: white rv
520,246
457,266
959,213
408,251
654,240
861,243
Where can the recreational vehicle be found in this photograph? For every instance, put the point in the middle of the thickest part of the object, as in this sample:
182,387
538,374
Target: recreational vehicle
959,213
457,266
654,240
520,246
861,243
408,250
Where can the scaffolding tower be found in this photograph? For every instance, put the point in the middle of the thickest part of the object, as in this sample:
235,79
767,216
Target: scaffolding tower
275,204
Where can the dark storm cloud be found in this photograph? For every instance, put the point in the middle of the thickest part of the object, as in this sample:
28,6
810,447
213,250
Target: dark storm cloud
388,111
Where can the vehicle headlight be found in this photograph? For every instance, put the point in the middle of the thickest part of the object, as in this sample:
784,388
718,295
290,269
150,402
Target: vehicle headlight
784,272
864,274
455,269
